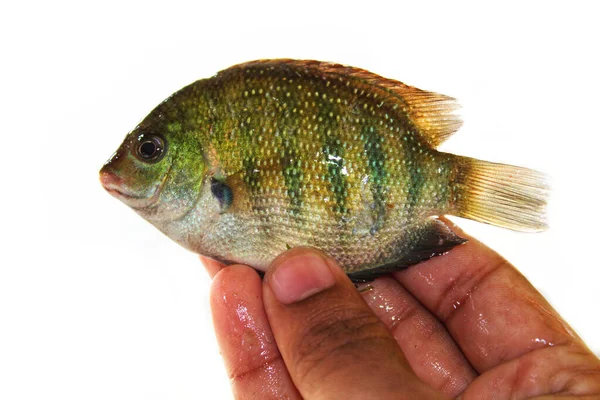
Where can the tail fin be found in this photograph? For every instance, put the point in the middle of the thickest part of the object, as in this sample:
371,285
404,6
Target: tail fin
503,195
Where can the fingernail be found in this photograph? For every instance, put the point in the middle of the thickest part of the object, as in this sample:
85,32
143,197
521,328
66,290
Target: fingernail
299,276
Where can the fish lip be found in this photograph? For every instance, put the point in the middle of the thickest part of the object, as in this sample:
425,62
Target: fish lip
138,202
131,199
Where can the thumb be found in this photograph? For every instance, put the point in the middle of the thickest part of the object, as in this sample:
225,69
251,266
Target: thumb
331,342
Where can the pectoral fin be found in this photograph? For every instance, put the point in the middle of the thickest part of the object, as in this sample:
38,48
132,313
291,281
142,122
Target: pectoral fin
431,239
222,193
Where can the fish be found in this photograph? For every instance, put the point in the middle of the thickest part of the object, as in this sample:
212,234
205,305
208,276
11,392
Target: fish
272,154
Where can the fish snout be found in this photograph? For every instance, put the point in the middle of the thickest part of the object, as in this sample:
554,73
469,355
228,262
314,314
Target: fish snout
121,188
111,181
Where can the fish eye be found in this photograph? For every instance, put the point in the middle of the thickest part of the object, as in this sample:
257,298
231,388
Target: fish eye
150,148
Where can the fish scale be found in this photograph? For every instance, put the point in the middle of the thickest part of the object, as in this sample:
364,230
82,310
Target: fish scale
305,153
310,130
268,98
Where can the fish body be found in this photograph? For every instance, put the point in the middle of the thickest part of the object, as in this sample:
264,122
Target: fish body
274,154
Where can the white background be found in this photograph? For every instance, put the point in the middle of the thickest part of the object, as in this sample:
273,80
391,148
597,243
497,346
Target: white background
96,304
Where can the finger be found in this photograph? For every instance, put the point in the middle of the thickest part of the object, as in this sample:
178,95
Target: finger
565,372
212,266
253,362
489,308
427,345
333,345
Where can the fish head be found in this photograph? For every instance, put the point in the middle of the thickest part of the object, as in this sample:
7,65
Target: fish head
158,170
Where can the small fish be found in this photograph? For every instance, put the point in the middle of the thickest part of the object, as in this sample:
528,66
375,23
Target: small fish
273,154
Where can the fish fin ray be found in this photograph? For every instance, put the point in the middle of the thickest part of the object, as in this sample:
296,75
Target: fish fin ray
434,114
434,238
504,195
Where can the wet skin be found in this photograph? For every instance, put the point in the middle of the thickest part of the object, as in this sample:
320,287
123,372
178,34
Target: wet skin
464,324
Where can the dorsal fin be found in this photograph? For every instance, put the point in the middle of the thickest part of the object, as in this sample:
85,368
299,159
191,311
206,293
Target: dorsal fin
434,114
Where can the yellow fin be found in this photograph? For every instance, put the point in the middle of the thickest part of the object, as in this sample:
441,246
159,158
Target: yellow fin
434,114
503,195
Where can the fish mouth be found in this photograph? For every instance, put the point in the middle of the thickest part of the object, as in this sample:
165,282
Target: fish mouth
114,185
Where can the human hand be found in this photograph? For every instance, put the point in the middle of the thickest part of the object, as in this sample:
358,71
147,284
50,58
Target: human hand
464,324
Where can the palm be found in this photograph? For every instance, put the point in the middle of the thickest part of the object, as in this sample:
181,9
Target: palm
467,324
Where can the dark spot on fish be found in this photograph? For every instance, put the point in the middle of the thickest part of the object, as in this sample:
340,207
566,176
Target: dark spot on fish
222,193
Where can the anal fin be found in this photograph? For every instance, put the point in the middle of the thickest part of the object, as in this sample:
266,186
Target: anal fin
431,239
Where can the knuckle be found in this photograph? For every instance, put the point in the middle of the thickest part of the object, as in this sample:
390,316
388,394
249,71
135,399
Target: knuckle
252,371
428,327
583,380
562,370
467,283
